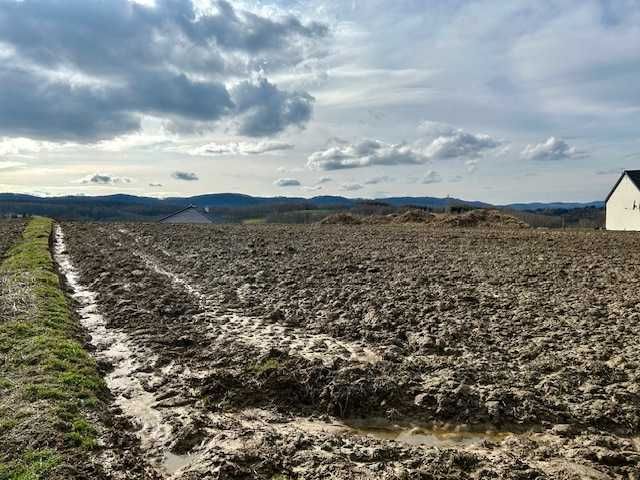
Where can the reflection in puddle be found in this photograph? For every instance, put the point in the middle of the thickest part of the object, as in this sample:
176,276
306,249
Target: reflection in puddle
427,436
173,462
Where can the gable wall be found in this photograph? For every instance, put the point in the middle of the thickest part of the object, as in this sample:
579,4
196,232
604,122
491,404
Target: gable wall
620,212
188,216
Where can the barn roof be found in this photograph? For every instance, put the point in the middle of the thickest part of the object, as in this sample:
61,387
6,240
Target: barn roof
634,176
189,207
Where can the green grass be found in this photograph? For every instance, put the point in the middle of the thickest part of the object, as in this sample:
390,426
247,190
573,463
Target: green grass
266,365
34,465
49,383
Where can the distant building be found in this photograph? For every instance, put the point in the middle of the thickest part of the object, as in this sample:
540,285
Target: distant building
190,214
623,203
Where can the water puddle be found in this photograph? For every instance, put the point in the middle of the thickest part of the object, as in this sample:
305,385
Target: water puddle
127,379
428,436
173,463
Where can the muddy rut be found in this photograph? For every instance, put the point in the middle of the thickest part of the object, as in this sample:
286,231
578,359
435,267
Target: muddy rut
211,390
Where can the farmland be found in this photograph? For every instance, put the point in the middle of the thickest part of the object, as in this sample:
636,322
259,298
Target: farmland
269,351
10,231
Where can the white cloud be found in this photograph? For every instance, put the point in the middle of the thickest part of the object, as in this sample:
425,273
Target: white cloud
444,142
241,148
471,165
287,182
366,153
431,177
26,147
553,149
7,165
322,180
440,142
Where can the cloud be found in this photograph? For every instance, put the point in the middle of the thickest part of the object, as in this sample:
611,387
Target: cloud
553,149
156,185
88,70
431,177
439,142
8,165
445,142
264,110
471,165
241,148
366,153
610,171
312,188
25,147
104,179
378,180
287,182
351,187
186,176
322,180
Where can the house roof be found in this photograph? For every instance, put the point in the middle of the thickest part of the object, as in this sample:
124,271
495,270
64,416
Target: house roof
634,176
189,207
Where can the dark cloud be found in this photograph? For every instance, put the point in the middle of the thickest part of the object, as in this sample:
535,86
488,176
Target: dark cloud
287,182
33,106
87,70
156,185
186,176
265,110
351,187
104,179
610,171
378,180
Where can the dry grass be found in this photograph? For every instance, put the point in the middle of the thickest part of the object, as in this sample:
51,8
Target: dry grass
16,295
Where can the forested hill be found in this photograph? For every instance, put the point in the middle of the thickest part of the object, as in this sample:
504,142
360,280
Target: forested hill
135,208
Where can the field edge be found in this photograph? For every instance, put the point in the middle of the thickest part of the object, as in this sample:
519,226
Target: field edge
52,393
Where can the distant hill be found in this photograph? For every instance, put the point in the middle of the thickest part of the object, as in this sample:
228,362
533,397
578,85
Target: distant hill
553,205
137,208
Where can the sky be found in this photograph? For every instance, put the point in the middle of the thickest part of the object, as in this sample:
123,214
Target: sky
526,100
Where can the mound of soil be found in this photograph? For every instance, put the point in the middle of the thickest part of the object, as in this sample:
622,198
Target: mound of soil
341,219
482,219
378,219
414,216
410,216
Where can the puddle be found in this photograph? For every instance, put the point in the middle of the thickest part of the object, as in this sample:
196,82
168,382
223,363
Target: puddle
173,463
126,379
422,436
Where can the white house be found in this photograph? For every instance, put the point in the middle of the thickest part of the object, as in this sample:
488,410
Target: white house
623,203
189,214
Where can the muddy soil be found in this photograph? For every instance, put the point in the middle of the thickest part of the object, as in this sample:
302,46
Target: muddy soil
10,231
263,351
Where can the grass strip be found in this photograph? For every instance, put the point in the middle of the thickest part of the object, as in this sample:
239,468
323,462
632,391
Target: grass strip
49,385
